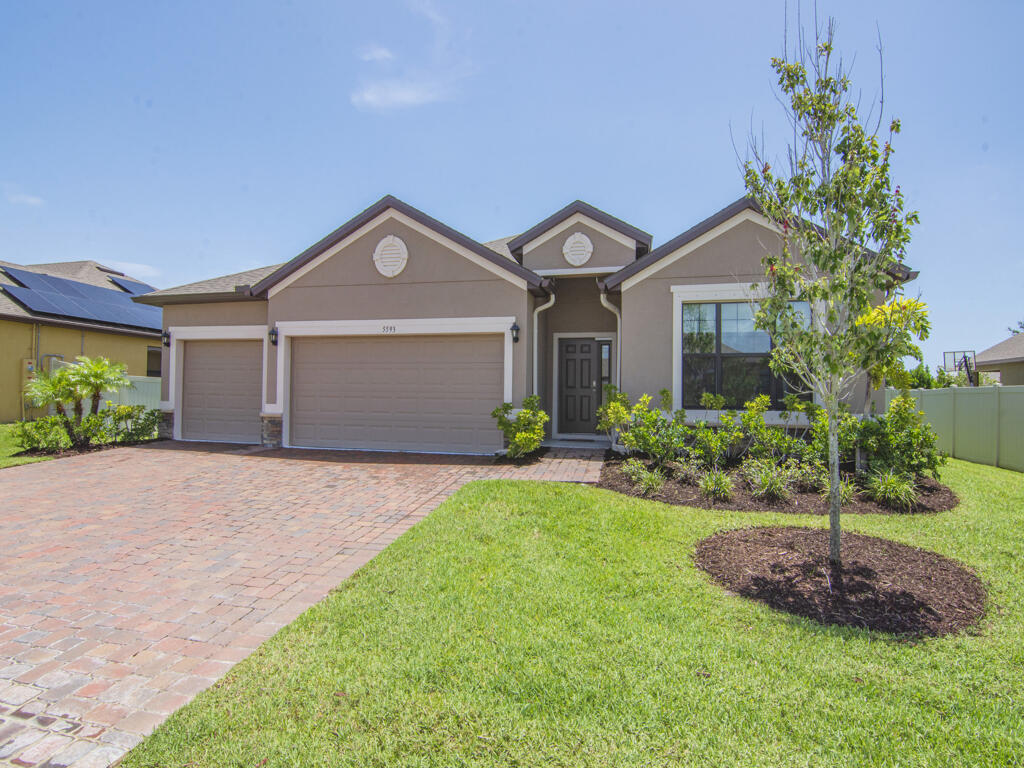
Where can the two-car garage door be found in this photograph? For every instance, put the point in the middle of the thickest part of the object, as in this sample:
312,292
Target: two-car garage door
405,393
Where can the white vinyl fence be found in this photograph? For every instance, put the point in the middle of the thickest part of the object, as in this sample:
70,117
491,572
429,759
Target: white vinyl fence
980,424
145,391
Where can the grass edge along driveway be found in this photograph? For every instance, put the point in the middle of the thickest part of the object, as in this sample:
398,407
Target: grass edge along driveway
541,624
9,447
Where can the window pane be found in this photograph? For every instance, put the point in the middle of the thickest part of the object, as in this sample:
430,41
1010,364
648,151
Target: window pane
803,309
744,378
698,328
738,332
606,361
698,378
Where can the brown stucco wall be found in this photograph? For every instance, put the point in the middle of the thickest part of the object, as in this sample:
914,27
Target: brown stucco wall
607,252
436,282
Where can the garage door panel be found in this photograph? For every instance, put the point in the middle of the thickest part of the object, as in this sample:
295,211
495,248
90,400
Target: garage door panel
221,391
427,393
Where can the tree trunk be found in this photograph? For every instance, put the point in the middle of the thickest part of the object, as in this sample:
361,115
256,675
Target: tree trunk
834,497
96,402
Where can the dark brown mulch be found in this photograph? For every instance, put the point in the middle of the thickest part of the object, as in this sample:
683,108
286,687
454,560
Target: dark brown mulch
67,452
934,496
885,586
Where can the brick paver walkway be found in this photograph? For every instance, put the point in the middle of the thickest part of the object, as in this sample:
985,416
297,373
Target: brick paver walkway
132,579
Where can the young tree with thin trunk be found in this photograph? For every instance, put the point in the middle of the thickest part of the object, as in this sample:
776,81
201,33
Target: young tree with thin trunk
844,233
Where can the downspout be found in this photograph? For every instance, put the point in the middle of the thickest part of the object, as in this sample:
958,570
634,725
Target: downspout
536,339
618,333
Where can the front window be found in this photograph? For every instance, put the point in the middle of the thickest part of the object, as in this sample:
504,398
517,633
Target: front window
724,354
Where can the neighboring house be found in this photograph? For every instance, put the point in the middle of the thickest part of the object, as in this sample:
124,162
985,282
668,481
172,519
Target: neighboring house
1006,358
396,332
59,311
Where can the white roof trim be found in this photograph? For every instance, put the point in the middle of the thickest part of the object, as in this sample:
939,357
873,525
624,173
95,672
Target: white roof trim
577,271
384,216
573,221
693,245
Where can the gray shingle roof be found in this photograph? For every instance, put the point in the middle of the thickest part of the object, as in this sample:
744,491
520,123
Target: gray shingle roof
1007,351
222,287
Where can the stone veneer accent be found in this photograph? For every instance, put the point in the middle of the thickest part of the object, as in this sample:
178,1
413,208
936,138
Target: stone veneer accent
270,431
165,428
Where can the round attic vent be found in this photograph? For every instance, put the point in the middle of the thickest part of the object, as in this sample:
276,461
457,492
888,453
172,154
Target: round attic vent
577,249
390,255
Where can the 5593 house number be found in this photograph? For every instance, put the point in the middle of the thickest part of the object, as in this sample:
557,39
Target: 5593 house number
388,329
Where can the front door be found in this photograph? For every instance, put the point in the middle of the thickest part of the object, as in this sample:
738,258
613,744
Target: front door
579,392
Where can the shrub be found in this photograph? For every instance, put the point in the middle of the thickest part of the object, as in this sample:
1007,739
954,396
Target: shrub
645,480
847,490
901,441
768,442
132,423
766,480
613,413
651,433
525,432
716,484
806,476
849,433
686,471
46,434
891,489
711,446
712,402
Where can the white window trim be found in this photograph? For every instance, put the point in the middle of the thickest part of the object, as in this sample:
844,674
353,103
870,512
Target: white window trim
573,221
176,360
611,336
695,294
289,329
690,247
382,218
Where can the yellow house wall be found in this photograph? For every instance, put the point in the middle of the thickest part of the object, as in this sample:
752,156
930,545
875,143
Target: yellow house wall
17,344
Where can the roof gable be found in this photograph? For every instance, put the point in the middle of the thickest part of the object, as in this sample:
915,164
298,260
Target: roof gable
1007,351
580,208
469,247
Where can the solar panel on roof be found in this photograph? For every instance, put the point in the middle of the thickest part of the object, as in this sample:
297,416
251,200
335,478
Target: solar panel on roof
134,287
69,298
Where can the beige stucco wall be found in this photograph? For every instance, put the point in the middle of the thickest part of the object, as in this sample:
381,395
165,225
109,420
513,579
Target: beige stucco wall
607,252
1009,373
733,258
577,309
436,282
17,343
212,313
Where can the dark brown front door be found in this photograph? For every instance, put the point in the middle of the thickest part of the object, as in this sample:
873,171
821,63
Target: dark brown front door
578,385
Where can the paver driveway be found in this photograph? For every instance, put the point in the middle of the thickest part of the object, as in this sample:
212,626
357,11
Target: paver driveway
132,579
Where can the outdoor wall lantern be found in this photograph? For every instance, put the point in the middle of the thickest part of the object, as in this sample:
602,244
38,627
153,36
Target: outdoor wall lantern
165,337
273,336
515,332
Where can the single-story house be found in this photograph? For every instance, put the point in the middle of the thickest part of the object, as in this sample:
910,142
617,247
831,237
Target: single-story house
59,311
1006,358
397,332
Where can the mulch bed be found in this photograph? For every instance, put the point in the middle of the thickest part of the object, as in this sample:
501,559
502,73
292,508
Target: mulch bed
522,461
67,452
934,496
885,586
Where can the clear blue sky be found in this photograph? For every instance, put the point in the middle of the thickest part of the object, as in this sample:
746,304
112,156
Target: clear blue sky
185,140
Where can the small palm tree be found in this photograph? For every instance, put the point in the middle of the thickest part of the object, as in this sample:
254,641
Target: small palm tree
57,389
93,376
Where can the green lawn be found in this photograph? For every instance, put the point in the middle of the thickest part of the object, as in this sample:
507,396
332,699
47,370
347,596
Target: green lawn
8,447
526,624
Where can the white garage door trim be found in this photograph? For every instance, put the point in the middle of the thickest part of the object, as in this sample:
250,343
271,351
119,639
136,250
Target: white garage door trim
397,327
176,366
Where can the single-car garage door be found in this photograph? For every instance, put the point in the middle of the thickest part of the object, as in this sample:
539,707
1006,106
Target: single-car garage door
221,391
400,393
